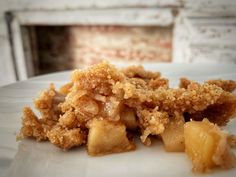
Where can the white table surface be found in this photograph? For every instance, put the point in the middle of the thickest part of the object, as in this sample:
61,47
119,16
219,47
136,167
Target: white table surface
15,96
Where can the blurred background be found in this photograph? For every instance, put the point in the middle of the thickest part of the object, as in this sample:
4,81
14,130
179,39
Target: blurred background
40,37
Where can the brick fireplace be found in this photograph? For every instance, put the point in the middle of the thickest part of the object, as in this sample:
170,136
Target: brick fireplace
39,37
60,48
50,41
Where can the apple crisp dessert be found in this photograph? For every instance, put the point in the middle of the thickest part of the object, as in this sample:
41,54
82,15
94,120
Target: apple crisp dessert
103,107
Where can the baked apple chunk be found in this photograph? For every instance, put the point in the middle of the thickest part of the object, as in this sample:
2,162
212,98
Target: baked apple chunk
107,137
206,145
173,136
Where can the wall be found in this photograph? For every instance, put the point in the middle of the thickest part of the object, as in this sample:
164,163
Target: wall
200,8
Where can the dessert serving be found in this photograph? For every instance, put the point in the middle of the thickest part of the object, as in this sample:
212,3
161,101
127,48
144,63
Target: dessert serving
104,108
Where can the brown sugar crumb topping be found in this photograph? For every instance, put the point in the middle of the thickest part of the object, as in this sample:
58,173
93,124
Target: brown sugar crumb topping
100,105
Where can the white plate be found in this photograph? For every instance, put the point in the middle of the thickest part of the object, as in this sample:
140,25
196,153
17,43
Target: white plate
43,159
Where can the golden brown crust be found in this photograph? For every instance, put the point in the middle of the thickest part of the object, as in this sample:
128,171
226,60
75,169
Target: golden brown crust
232,140
47,103
184,82
158,82
140,72
195,98
31,126
223,109
66,138
220,112
66,88
152,122
97,79
226,85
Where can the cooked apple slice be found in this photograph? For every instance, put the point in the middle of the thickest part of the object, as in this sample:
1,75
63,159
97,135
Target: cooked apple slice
173,136
129,118
206,145
107,137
